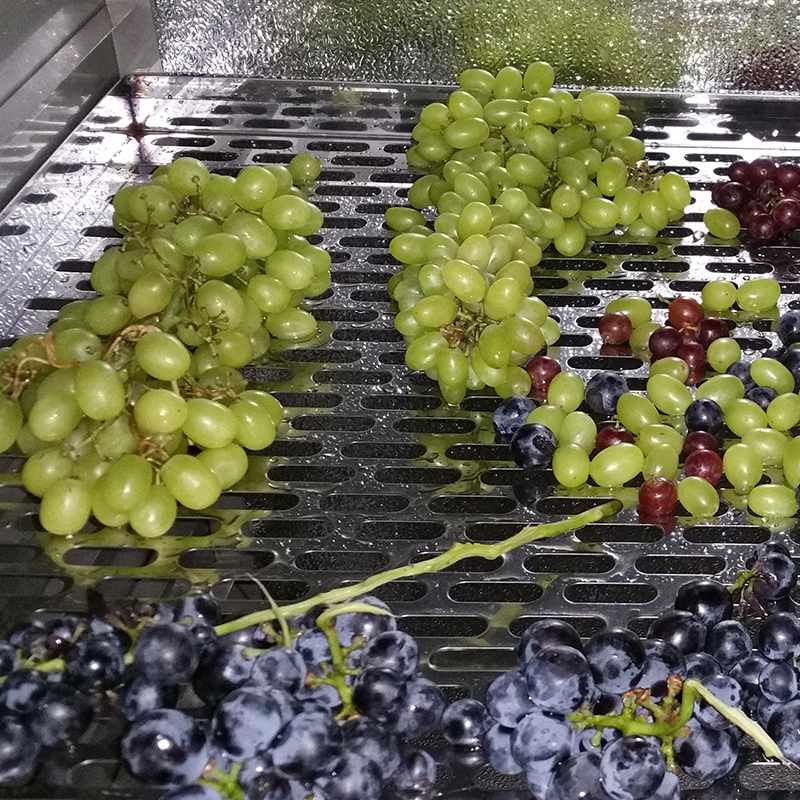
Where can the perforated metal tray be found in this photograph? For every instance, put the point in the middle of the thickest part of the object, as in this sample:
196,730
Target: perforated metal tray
370,470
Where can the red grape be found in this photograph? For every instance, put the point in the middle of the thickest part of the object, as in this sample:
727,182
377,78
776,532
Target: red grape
751,209
615,328
685,312
762,228
739,171
695,376
761,169
732,196
711,328
657,498
787,176
704,464
612,434
664,342
768,193
786,214
542,370
693,353
615,350
699,440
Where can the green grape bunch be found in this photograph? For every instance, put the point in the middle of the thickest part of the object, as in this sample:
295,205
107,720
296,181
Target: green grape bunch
133,402
513,167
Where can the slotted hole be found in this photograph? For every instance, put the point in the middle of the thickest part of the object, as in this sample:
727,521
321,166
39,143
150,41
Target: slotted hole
474,659
321,355
260,144
110,556
142,588
433,476
184,141
611,363
399,591
226,559
434,425
388,450
359,276
479,452
579,264
367,334
501,477
471,504
726,534
569,564
569,505
282,591
495,592
363,161
585,626
619,532
401,529
705,250
624,249
737,268
308,399
268,501
74,265
311,528
680,565
331,422
400,402
351,376
469,564
371,296
364,503
292,448
35,199
306,473
570,300
337,146
18,554
356,190
350,561
442,625
619,284
622,593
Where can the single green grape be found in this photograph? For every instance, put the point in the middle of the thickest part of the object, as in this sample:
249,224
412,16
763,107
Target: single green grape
698,497
162,356
640,338
255,186
551,417
571,240
494,347
759,294
633,410
743,467
155,515
571,465
769,444
228,464
668,395
127,482
616,465
675,190
220,254
671,365
255,427
771,373
99,391
742,415
11,421
190,482
718,296
580,429
637,309
661,461
160,411
566,392
722,223
722,389
65,507
44,468
723,352
209,423
292,324
657,433
773,501
305,169
783,413
791,462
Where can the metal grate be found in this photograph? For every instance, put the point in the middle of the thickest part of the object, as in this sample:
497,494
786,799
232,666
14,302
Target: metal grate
370,470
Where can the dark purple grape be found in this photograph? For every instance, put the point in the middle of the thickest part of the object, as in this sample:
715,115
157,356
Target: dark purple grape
762,169
740,172
378,693
661,661
787,176
706,754
632,767
741,370
708,600
617,659
533,445
166,654
220,672
546,633
465,722
778,682
704,415
779,636
19,752
701,666
732,195
729,643
789,331
559,679
747,671
775,576
784,728
762,228
761,395
768,193
786,213
510,415
62,716
603,390
680,629
23,691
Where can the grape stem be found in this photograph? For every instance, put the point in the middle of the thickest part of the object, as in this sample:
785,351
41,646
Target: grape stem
130,334
669,719
455,553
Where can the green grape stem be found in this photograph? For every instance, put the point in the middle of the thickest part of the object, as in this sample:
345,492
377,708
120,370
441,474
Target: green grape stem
455,553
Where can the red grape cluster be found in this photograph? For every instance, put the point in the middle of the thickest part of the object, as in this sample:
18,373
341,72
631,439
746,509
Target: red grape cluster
765,196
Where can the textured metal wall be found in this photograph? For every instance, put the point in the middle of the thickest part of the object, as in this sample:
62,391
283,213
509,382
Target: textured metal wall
703,45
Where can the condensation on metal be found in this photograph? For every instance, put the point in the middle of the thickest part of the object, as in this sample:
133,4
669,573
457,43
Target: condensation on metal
370,470
701,45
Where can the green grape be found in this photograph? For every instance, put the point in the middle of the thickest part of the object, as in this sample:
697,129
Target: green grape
99,391
517,383
152,205
305,169
566,391
255,186
628,148
783,413
209,423
150,294
108,314
460,105
572,172
102,512
257,237
476,250
543,111
657,433
292,324
10,422
614,128
698,497
430,280
571,138
541,143
661,461
571,465
115,439
255,427
434,149
494,346
514,200
435,116
742,415
422,352
408,248
628,201
668,395
718,296
525,336
501,262
220,254
634,411
419,195
190,482
105,279
445,223
534,310
614,466
269,294
552,224
168,255
292,269
155,515
267,401
287,212
452,393
162,356
500,112
675,190
160,411
578,428
436,311
771,373
722,223
508,82
59,382
759,294
452,366
233,348
406,323
591,160
538,78
127,482
600,213
228,464
191,231
216,197
612,175
526,169
637,309
65,507
440,247
571,240
772,501
743,467
90,467
187,176
671,365
221,303
53,417
477,81
43,469
565,201
27,443
400,218
535,220
551,417
723,352
551,331
464,133
503,298
722,389
599,106
489,375
791,462
529,252
640,338
653,210
76,345
769,444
